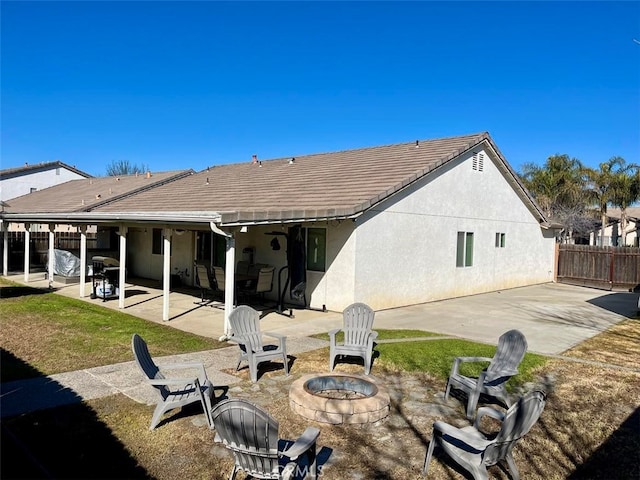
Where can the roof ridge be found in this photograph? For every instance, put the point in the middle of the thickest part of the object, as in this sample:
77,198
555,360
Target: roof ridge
178,174
483,134
398,144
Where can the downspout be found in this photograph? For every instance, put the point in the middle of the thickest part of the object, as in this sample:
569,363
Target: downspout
229,277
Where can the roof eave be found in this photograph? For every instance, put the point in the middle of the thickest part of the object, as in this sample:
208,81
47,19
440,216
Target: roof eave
100,218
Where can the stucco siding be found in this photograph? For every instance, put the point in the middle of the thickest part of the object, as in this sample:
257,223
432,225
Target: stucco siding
406,248
336,288
142,262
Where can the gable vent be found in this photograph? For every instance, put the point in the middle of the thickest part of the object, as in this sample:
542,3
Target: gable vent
478,162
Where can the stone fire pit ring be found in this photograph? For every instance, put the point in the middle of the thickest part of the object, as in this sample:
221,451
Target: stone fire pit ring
359,399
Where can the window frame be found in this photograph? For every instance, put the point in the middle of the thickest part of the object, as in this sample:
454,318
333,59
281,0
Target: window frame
322,249
464,249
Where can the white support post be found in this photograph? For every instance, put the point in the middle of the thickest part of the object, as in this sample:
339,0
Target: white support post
122,232
166,273
52,240
83,259
229,283
229,279
5,248
27,253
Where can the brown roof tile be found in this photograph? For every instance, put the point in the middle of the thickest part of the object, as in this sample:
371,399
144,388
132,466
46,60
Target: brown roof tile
328,185
341,183
80,195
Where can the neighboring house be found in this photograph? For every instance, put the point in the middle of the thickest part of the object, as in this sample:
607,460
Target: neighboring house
77,196
613,235
390,226
15,182
18,181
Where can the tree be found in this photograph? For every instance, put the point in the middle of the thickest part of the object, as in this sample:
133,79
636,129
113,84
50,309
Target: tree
125,167
626,191
559,188
606,185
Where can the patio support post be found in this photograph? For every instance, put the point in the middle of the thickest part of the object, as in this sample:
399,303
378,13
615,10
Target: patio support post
122,232
52,240
229,277
5,248
83,259
27,253
229,283
166,273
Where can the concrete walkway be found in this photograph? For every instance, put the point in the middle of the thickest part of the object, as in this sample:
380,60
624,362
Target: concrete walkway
553,317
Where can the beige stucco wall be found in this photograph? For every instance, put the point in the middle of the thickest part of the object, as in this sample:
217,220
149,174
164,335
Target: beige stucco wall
141,262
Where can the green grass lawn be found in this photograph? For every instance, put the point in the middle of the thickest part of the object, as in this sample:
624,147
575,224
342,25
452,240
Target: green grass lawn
43,333
436,356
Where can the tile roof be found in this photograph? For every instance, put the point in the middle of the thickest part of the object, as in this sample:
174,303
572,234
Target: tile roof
82,194
319,186
17,171
326,185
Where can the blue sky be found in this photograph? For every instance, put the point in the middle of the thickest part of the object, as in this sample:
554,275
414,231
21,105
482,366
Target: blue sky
189,84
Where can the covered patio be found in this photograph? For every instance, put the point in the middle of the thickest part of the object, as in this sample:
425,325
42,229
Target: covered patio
145,299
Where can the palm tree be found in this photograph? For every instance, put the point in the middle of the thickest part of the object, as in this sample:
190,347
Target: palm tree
605,187
626,191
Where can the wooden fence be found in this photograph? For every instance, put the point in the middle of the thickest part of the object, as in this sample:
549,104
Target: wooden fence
601,267
39,247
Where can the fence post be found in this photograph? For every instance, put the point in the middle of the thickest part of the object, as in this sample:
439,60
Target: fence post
611,268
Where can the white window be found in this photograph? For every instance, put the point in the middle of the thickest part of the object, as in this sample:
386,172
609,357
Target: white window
464,249
500,237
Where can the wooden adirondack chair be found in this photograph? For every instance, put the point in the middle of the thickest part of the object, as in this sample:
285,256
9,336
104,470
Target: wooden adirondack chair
252,435
511,349
358,336
474,451
173,392
245,324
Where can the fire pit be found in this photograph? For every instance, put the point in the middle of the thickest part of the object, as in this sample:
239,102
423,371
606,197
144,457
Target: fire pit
338,399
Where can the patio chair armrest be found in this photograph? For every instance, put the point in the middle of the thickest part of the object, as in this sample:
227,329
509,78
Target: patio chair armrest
458,360
372,336
332,335
306,441
506,372
202,373
282,339
474,359
237,340
459,438
174,381
487,412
